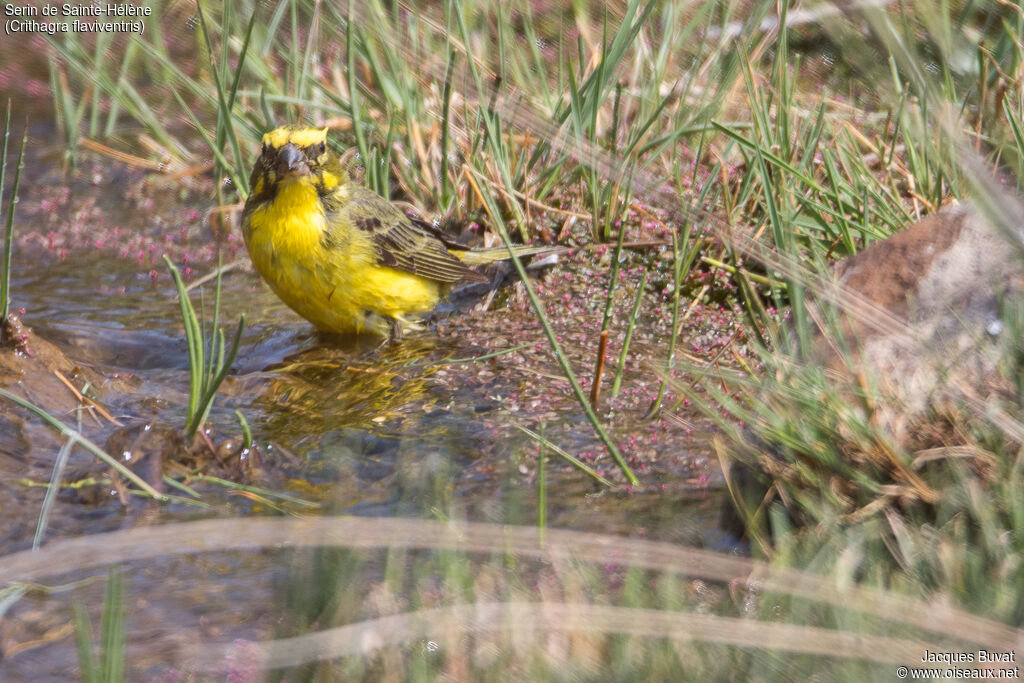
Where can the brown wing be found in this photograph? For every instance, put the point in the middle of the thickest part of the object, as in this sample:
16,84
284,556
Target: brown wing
404,243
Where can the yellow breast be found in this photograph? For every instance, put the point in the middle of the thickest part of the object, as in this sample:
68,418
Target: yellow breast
339,288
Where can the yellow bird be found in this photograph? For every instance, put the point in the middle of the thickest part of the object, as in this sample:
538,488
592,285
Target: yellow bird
339,254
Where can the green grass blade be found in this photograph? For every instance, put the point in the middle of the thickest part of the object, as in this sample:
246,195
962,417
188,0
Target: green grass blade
242,53
112,628
193,340
51,492
3,159
224,367
568,457
246,431
224,110
556,347
84,642
446,104
232,171
80,438
630,327
5,277
215,352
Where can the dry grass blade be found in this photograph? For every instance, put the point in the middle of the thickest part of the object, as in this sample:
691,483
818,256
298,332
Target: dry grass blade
79,554
122,157
366,637
85,399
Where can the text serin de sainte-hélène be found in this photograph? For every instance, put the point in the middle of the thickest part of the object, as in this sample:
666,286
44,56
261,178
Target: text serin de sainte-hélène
77,10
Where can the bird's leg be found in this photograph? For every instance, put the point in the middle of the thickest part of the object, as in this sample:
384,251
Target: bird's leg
395,334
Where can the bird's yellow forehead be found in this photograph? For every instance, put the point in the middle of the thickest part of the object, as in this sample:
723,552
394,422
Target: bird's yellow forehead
300,137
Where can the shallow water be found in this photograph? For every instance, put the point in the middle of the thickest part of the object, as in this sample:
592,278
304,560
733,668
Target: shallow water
353,427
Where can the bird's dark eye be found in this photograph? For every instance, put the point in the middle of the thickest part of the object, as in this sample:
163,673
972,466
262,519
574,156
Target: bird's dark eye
263,148
323,147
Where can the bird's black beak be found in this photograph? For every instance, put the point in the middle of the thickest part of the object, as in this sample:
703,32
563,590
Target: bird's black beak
291,160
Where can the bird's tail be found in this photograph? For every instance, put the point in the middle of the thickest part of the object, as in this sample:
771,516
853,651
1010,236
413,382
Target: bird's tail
478,257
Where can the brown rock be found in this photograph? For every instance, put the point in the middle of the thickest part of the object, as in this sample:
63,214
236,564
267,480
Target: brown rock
922,312
912,333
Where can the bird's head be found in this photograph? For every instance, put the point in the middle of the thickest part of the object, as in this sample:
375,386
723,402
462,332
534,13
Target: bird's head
297,154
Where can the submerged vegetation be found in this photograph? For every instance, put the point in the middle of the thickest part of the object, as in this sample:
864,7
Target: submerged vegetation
701,168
